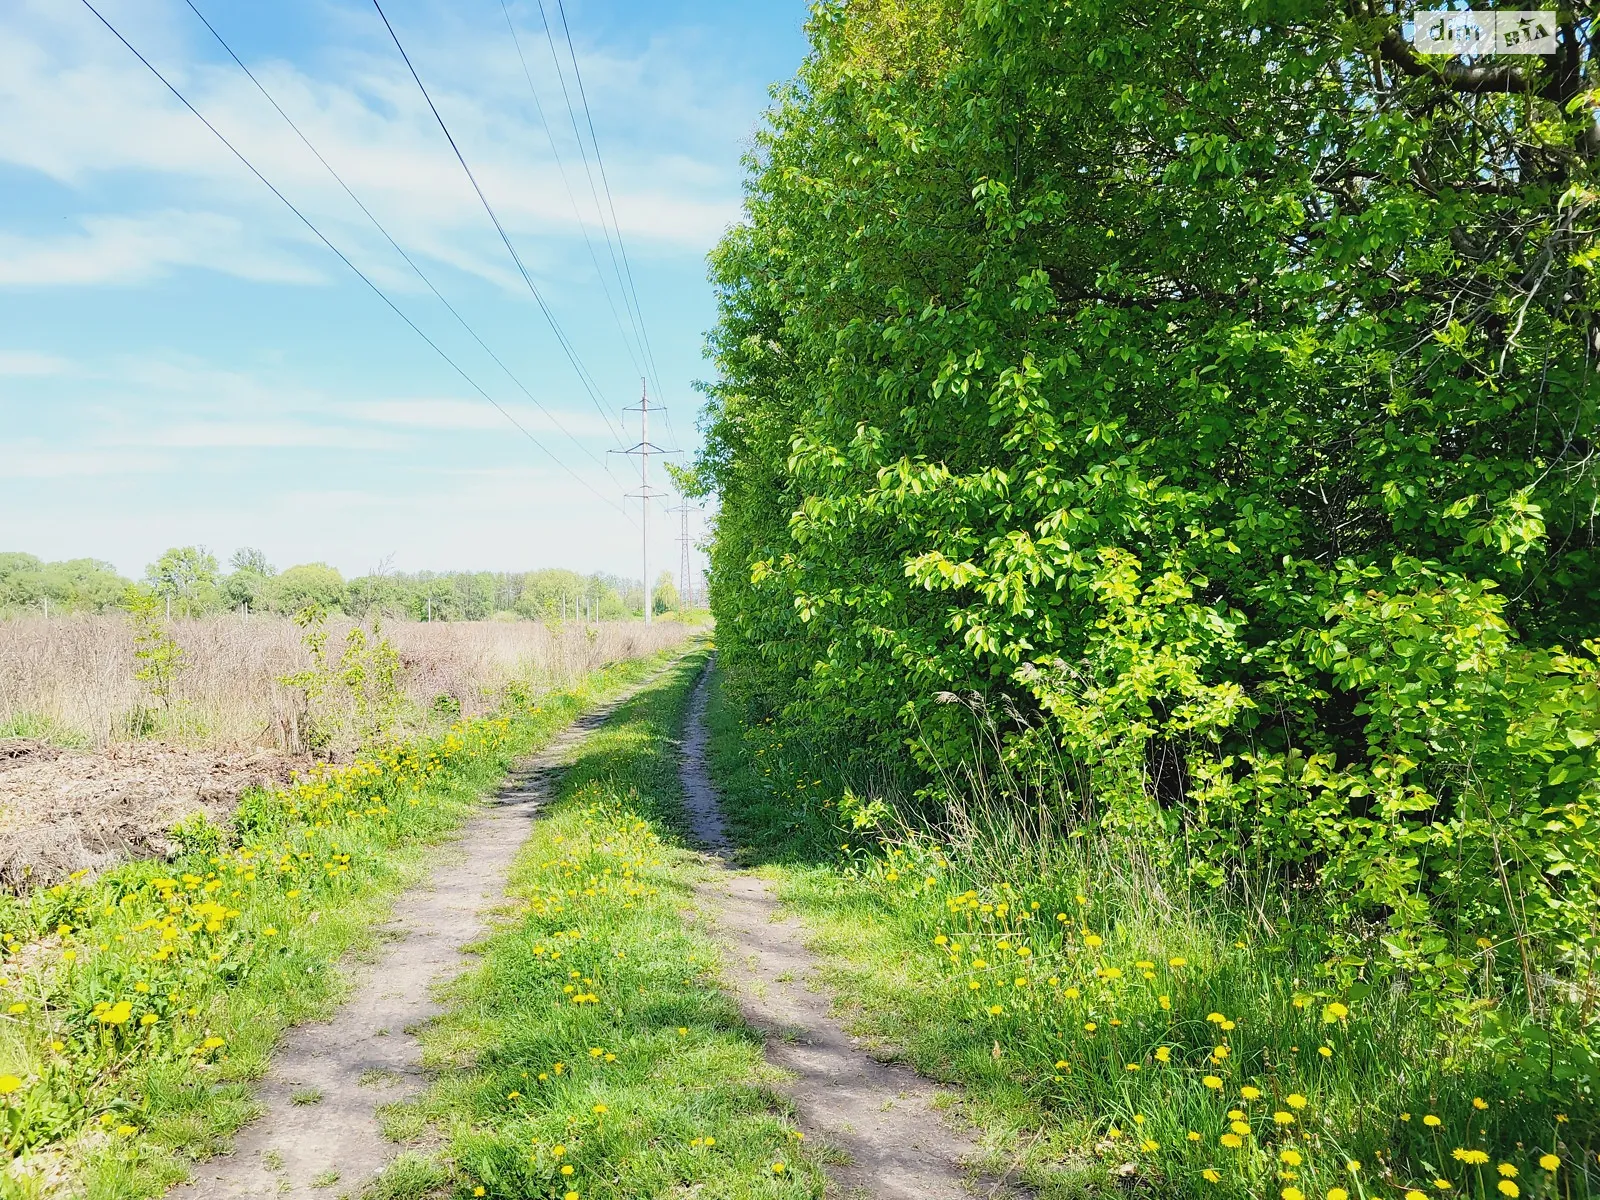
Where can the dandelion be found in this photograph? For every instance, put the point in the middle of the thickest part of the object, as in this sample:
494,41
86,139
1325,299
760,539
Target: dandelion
1334,1012
1290,1158
1338,1194
778,1168
600,1110
1506,1188
117,1014
1250,1093
10,1083
1295,1100
1231,1140
1211,1175
1548,1161
1444,1185
1325,1051
1240,1128
1212,1081
1177,962
213,1043
1473,1158
1292,1193
1282,1118
1413,1194
1431,1121
571,1196
1479,1103
1149,1147
1163,1054
1506,1170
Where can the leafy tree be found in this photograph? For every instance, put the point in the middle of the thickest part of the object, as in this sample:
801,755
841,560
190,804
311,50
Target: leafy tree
310,585
664,596
185,578
249,586
1216,392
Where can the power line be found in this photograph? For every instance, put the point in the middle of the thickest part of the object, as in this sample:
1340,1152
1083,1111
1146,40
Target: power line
307,222
605,182
572,355
378,225
572,198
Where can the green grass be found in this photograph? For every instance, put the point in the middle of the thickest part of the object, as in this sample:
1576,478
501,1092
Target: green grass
594,1035
121,1107
1080,995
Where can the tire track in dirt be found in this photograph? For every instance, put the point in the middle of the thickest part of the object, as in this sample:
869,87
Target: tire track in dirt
880,1118
367,1055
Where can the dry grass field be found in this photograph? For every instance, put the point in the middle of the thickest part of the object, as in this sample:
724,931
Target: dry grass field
71,680
86,779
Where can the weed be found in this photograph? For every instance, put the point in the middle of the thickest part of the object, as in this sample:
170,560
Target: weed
305,1096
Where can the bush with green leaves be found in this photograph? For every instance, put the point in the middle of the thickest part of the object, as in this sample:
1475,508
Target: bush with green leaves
1214,390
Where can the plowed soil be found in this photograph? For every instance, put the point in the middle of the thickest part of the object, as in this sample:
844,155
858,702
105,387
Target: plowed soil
67,810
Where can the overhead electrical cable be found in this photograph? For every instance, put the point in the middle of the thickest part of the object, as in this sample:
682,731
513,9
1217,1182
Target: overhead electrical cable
398,249
605,183
561,168
376,290
555,326
588,171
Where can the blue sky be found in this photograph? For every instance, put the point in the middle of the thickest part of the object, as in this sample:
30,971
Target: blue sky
182,362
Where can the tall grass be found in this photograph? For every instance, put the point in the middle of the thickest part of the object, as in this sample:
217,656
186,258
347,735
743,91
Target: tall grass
1131,1023
71,679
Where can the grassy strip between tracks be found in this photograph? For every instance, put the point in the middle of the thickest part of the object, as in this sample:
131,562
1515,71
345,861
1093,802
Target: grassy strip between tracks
592,1053
137,1007
1117,1028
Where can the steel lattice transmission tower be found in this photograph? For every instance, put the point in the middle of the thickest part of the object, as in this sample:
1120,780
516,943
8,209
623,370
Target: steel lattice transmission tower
685,553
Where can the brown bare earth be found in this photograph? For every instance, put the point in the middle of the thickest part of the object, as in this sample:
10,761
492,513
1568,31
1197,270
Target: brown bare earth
883,1121
69,810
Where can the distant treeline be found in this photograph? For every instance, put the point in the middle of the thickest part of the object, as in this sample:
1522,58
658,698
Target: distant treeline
193,583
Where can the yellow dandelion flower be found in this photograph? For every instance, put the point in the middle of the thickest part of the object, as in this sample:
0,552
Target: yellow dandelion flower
1282,1118
1292,1193
1444,1185
1548,1161
1295,1100
1211,1175
1338,1194
10,1083
1473,1158
1507,1170
1231,1140
1211,1081
1431,1121
1193,1136
1163,1054
1413,1194
1250,1093
1240,1128
1325,1051
778,1168
1479,1103
1506,1188
1290,1158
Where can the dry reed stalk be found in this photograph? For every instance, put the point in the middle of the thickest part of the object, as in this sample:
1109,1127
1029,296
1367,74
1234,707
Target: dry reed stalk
74,675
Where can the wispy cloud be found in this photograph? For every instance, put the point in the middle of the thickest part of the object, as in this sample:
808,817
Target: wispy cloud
116,249
476,415
77,108
28,364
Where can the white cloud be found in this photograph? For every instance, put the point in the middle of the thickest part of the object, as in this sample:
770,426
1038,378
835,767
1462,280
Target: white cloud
26,363
131,249
476,415
76,107
35,461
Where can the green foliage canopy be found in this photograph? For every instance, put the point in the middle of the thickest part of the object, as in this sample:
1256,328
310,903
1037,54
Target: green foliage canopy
1214,390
